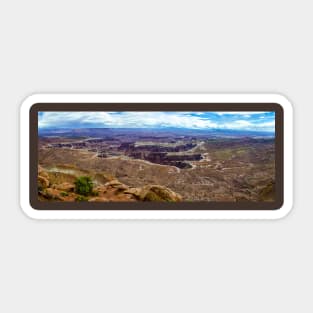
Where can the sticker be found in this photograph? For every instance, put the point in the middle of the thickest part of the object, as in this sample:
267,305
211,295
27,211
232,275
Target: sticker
156,156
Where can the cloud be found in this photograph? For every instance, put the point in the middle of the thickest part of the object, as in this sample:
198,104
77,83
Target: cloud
243,123
241,113
192,120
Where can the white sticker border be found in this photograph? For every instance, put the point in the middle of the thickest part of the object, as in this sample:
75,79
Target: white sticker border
156,214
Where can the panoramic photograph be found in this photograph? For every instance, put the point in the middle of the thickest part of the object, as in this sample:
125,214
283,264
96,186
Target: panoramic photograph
156,156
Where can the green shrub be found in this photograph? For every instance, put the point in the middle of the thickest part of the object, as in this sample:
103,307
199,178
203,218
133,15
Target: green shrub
81,198
84,186
64,193
152,196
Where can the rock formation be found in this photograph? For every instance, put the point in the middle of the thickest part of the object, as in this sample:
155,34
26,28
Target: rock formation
58,186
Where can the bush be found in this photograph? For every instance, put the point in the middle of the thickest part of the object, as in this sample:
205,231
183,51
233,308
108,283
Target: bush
64,193
81,198
84,186
152,196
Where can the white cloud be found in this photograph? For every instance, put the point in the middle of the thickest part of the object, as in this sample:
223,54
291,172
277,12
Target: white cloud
154,119
243,123
267,124
241,113
53,119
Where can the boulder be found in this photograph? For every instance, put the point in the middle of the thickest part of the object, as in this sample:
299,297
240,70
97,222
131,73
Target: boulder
68,187
165,194
98,199
42,182
51,194
154,193
134,191
116,184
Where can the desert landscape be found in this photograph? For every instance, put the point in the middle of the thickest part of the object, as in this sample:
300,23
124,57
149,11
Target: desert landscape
155,164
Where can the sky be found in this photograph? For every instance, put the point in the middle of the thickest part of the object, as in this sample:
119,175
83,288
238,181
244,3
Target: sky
252,121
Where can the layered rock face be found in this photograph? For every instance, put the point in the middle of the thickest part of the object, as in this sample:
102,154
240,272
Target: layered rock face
58,185
167,159
165,155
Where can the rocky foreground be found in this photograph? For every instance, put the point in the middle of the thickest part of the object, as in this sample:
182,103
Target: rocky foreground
58,184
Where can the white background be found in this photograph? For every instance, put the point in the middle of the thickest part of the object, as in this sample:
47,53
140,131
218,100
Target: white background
154,266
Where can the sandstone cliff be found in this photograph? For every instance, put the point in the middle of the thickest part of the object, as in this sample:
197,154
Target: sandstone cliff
58,184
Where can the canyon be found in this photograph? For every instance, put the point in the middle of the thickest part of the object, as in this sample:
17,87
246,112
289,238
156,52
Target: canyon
195,165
